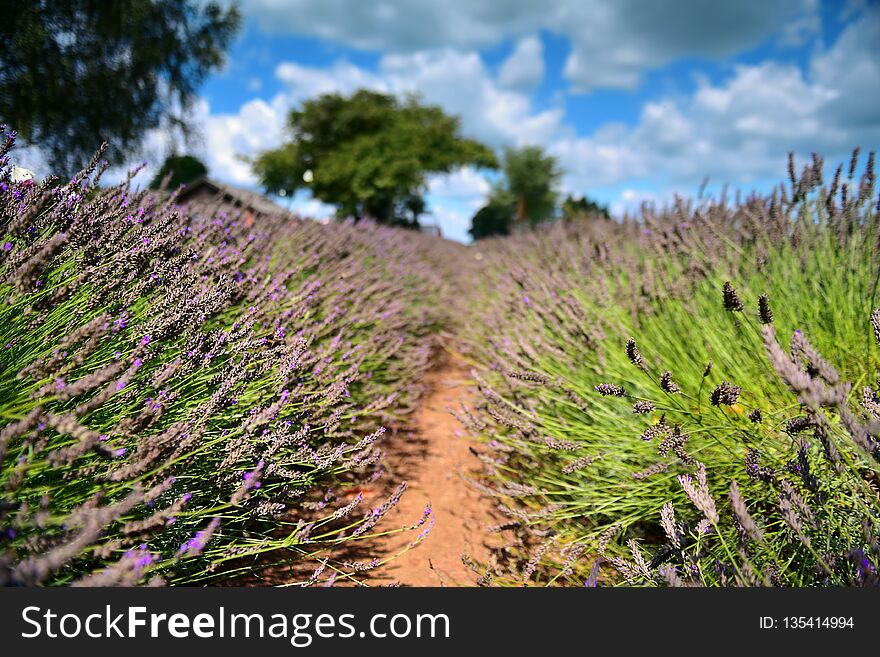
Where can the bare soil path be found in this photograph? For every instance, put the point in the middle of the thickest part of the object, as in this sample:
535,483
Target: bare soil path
435,461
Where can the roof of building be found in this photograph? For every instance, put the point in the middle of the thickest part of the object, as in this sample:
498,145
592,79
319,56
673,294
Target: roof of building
247,198
431,229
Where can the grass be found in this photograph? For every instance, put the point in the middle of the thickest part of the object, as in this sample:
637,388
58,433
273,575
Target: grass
564,317
185,400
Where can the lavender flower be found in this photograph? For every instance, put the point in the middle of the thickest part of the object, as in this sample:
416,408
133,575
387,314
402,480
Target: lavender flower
764,310
668,385
732,301
698,493
742,514
725,394
634,355
610,389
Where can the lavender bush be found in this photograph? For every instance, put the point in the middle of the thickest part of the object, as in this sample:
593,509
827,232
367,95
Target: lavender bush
647,417
183,399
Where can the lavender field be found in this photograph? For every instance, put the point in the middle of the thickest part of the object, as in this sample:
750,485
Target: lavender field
689,396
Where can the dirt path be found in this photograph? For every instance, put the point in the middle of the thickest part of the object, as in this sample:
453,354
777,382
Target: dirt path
435,460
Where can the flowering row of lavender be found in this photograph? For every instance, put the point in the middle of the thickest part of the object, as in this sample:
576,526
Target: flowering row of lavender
691,397
184,399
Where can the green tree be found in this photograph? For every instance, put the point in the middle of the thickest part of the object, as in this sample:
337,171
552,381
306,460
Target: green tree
531,180
494,218
368,154
79,72
179,169
580,207
525,196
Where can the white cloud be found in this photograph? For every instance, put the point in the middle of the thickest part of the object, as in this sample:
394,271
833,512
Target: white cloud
613,43
803,27
524,68
462,85
305,82
737,130
465,184
630,200
232,138
460,82
305,206
740,130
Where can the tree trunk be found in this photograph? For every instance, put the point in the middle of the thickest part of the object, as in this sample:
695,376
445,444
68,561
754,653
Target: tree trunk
521,211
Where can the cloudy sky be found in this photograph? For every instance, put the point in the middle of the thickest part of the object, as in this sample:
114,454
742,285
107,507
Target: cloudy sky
636,99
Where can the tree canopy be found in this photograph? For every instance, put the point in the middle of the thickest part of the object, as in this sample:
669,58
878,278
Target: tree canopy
524,197
491,219
368,154
79,72
532,178
179,169
582,207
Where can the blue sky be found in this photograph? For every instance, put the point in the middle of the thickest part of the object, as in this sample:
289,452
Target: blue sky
638,100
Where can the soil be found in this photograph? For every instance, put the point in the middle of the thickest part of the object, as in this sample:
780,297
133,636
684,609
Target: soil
436,461
432,454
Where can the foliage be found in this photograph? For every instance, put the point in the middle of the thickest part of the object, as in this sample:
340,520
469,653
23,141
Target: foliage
635,391
531,178
492,219
76,73
183,399
368,154
575,208
524,197
179,170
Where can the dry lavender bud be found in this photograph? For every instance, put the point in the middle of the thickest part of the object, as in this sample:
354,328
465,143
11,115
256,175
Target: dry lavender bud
535,560
818,162
725,394
743,517
771,572
643,407
533,377
811,392
605,539
792,520
656,431
832,191
668,385
866,186
610,389
764,310
870,402
755,416
853,162
798,424
708,369
670,527
580,464
755,470
633,353
562,445
657,468
799,503
670,576
732,301
698,493
803,351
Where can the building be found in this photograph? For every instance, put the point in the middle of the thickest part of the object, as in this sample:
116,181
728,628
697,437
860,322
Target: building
227,198
431,229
